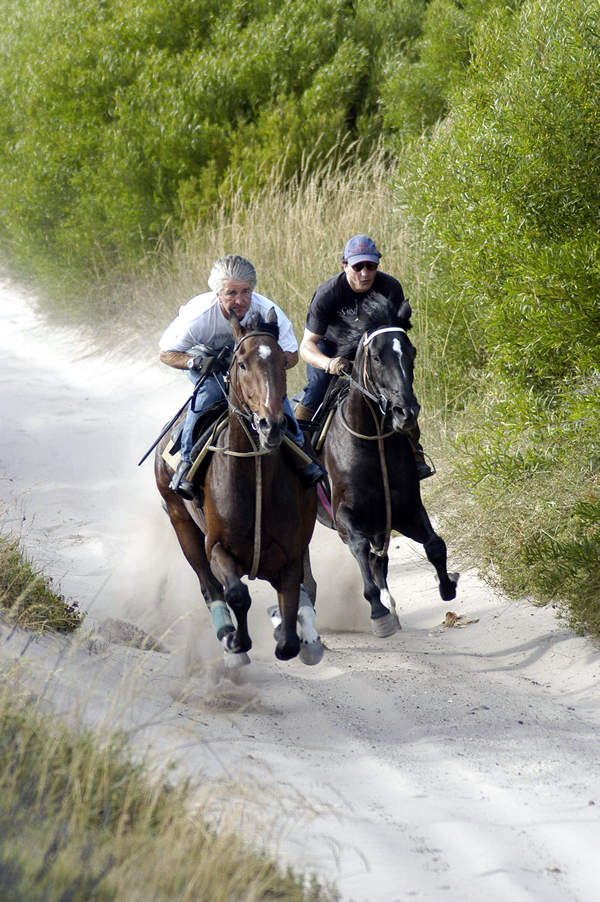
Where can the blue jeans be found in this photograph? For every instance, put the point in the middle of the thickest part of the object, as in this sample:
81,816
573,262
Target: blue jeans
211,391
317,380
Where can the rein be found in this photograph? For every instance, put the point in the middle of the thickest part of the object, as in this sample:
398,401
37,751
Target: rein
257,453
379,436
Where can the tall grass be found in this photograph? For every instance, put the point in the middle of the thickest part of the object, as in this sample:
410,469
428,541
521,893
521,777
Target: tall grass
294,235
80,821
28,597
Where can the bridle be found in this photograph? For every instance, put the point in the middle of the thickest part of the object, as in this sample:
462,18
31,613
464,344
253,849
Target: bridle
241,408
367,380
247,421
379,436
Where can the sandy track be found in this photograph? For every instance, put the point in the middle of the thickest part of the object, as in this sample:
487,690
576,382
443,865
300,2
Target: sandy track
454,764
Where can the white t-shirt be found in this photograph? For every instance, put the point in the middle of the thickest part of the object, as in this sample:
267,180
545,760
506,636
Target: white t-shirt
201,321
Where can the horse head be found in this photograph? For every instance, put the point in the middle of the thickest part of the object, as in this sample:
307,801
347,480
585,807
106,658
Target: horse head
388,368
384,362
257,376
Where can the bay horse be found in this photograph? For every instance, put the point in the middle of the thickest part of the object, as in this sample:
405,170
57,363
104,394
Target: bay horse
372,470
257,518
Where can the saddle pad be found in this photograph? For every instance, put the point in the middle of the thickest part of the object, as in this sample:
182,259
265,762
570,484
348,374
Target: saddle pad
172,456
217,430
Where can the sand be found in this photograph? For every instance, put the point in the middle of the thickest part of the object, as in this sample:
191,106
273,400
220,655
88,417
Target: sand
440,763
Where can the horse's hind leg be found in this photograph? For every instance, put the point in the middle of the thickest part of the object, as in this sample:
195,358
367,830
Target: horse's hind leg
311,647
422,531
435,549
308,579
237,597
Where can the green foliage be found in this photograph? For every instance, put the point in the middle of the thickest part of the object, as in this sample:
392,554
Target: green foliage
132,121
504,197
29,596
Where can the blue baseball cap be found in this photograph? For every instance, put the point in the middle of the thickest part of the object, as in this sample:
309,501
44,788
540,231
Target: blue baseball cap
361,248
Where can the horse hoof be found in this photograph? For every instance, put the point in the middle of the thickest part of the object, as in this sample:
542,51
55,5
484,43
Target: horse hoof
448,591
233,660
385,626
311,652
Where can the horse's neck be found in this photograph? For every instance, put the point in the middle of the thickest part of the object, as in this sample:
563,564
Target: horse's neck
240,435
357,410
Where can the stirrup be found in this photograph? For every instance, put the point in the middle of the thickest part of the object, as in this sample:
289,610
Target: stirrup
425,466
179,484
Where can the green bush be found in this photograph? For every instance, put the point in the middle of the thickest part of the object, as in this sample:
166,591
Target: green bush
121,124
504,197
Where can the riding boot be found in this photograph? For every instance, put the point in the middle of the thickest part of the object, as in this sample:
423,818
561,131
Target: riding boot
303,461
180,483
311,473
423,468
303,414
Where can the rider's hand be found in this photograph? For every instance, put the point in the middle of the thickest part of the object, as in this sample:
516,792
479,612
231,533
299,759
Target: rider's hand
203,364
338,366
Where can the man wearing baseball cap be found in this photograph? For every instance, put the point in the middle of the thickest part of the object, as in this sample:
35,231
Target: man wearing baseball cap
334,302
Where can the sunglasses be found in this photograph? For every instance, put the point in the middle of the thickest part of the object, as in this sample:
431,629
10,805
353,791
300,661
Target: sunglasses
358,267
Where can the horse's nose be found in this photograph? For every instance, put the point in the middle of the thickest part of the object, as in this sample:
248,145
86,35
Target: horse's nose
404,417
269,429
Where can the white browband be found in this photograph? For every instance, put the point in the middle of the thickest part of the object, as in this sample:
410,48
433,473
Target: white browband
380,332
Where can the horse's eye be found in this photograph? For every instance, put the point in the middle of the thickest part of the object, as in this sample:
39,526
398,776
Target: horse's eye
242,366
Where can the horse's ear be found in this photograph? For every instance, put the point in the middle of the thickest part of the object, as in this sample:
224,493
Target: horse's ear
271,316
404,312
236,327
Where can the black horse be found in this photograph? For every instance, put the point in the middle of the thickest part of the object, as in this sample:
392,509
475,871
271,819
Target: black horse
374,484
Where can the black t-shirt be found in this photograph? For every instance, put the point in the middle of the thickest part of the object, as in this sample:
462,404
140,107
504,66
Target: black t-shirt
335,304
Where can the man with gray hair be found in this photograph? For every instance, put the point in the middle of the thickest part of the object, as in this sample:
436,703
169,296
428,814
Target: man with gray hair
201,330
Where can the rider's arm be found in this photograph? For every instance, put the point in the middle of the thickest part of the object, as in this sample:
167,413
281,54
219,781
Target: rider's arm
310,353
178,359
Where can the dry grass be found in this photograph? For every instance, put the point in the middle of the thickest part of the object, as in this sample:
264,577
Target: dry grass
294,236
80,821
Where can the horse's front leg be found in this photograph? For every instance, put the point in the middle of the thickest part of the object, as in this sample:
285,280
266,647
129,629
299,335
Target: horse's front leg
288,595
191,540
378,562
383,622
237,597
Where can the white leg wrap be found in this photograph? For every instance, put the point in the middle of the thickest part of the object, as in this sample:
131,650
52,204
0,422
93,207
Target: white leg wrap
387,600
306,619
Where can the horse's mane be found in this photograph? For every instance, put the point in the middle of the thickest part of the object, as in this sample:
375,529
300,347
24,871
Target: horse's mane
376,311
257,323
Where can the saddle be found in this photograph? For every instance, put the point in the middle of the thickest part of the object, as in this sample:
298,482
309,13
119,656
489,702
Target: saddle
318,426
206,430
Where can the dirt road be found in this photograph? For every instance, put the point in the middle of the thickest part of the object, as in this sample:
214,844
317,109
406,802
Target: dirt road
454,764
